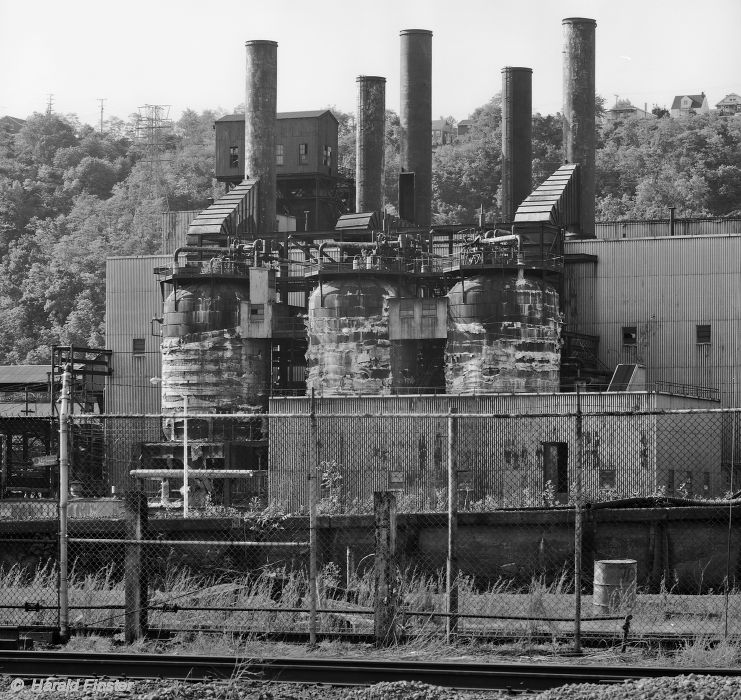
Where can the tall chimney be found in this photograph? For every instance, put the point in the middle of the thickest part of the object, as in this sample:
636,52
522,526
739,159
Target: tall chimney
517,142
416,117
260,126
578,111
370,144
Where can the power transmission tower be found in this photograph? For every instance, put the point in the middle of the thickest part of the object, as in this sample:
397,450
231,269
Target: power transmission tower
49,104
152,124
102,101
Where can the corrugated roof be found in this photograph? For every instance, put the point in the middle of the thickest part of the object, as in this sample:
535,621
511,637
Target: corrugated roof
696,101
239,117
24,374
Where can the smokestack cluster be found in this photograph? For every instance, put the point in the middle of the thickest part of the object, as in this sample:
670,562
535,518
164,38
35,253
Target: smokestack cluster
260,106
578,110
370,143
517,147
416,117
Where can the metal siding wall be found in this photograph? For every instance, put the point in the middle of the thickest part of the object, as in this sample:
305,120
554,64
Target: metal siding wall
175,228
665,287
657,228
132,299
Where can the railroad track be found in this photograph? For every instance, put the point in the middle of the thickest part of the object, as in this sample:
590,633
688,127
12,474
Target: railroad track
518,677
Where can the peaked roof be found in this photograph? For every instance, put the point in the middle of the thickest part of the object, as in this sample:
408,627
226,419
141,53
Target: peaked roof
239,116
24,374
697,101
730,99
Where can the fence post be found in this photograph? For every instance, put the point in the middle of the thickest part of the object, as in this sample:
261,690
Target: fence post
136,585
186,466
578,525
313,498
64,411
384,510
451,624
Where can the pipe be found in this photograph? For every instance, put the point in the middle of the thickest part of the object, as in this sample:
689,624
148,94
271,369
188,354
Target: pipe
517,146
416,117
260,127
64,411
370,131
579,140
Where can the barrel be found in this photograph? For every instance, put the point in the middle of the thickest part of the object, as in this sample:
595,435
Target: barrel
615,585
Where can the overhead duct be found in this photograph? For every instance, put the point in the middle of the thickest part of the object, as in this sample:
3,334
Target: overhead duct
260,126
370,143
579,113
416,124
517,144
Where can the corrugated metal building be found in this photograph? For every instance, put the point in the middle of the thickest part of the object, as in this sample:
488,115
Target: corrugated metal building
672,304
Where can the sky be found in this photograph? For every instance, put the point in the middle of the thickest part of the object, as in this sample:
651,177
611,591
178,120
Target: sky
189,54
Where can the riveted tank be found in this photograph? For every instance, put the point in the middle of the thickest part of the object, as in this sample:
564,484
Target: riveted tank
205,358
504,335
349,351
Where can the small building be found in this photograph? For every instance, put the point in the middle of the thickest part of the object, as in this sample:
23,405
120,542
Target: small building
729,105
443,132
308,185
523,450
623,111
464,126
689,104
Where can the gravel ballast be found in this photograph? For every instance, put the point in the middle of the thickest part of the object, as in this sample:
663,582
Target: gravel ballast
690,687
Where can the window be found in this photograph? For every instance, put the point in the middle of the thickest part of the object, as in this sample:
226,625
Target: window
303,153
670,482
257,312
429,307
702,334
607,478
279,154
630,335
233,156
556,465
137,346
328,156
406,308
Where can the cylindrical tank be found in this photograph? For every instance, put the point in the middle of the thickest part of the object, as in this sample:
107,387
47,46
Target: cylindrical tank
503,336
260,126
416,117
205,358
349,350
517,142
370,134
579,140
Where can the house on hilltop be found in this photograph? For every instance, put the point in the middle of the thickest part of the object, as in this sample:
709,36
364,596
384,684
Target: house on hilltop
689,104
729,105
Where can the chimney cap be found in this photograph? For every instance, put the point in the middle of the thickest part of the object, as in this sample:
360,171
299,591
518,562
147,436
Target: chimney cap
257,42
415,31
513,68
370,77
579,20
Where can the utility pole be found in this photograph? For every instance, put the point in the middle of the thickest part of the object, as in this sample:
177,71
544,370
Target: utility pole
49,104
102,101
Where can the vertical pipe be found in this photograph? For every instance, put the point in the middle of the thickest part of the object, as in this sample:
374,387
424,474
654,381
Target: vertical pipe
416,117
370,131
186,465
260,126
517,142
579,140
578,526
313,498
385,593
451,625
671,220
64,410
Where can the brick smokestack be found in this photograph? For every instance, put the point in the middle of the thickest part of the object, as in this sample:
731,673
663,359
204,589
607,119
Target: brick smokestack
370,143
578,111
260,125
416,117
517,141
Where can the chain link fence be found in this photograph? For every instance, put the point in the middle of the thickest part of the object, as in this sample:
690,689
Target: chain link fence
510,523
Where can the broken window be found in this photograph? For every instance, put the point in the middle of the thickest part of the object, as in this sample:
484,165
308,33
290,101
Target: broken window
406,308
556,465
233,156
607,478
257,312
702,334
328,156
138,346
303,153
429,307
630,335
